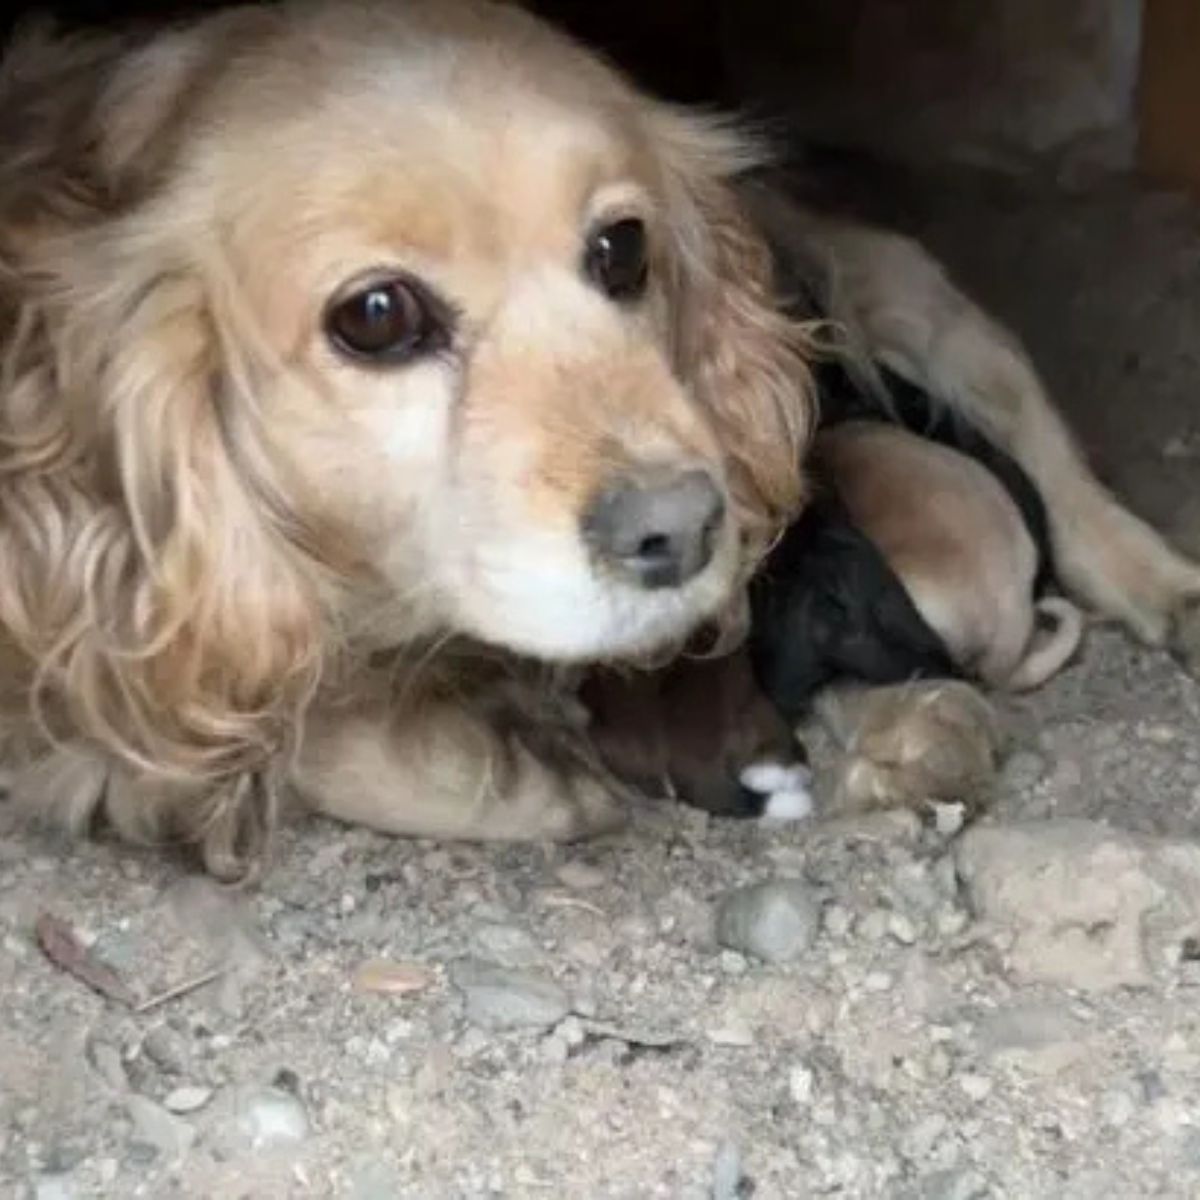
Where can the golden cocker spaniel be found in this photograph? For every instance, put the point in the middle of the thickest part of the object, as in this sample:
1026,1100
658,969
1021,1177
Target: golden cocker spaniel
359,356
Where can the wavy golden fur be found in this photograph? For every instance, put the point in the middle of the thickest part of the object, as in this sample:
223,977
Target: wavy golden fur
212,528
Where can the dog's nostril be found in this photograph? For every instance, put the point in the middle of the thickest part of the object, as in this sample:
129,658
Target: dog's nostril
657,531
656,546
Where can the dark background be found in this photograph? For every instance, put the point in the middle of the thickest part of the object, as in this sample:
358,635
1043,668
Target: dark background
671,46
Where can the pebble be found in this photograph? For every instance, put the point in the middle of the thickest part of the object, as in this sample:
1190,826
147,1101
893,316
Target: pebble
874,926
975,1087
508,945
731,1035
902,929
107,1061
374,1181
800,1085
878,981
951,922
187,1099
270,1116
580,876
953,1185
938,1064
499,998
733,963
386,977
53,1187
837,921
775,921
727,1173
153,1126
166,1049
572,1031
949,819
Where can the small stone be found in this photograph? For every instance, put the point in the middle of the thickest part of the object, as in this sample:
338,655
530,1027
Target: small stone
1023,769
953,1185
878,981
902,929
735,1035
374,1181
399,1031
948,819
270,1116
498,998
107,1061
1152,1087
874,926
733,963
1041,1037
580,876
390,978
837,921
975,1087
53,1187
187,1099
508,945
727,1173
555,1050
166,1049
158,1129
775,921
800,1085
951,922
572,1031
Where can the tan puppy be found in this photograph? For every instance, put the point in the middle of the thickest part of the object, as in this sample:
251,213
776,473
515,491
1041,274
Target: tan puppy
957,541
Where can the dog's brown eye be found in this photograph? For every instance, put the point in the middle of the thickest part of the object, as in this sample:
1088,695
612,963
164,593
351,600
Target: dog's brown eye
615,259
388,320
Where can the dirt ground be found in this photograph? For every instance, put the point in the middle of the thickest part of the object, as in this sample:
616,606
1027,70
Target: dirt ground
1009,1011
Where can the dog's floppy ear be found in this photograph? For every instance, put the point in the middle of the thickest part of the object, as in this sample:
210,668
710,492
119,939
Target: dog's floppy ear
151,577
743,359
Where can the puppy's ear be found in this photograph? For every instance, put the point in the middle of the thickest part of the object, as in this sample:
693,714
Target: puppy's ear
153,584
745,362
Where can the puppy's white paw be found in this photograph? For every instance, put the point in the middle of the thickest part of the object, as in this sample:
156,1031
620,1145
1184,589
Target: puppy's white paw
789,805
783,791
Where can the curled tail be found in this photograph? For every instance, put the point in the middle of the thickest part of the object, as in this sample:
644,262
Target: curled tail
1049,646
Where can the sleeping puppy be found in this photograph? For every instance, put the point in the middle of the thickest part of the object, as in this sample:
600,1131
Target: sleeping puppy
953,536
703,731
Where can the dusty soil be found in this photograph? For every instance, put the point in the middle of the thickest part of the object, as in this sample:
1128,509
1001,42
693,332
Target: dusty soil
1006,1011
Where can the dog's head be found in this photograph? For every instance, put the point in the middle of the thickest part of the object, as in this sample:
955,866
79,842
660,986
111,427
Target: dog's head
346,324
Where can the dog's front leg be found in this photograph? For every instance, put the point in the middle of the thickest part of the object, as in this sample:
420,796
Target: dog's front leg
439,771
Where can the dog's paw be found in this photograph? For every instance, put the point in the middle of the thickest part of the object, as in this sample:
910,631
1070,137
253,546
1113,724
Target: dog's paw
588,808
916,744
777,792
1185,634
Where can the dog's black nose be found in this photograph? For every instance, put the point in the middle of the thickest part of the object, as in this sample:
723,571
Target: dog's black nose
657,531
